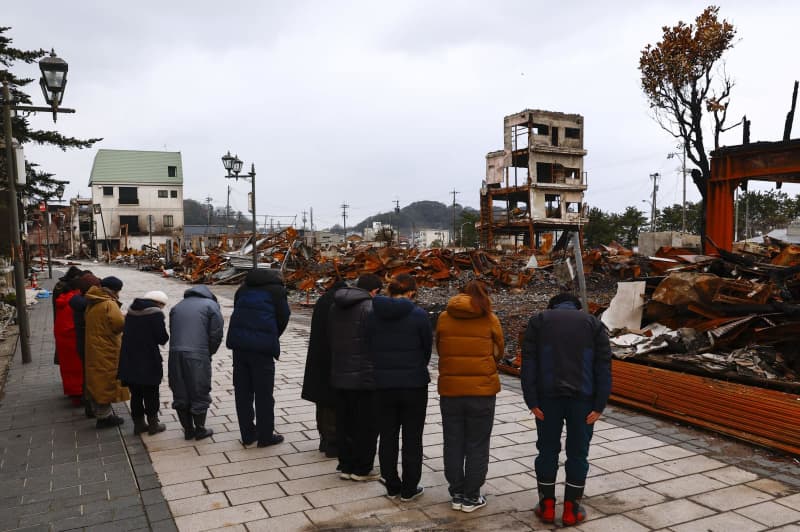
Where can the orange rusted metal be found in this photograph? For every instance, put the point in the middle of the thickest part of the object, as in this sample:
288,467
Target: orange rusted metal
731,166
757,415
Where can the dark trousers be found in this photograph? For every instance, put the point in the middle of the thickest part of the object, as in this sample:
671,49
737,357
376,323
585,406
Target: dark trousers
144,400
190,381
558,411
326,426
467,426
402,409
357,431
253,382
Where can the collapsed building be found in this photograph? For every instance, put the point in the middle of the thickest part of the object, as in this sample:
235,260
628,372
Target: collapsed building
535,184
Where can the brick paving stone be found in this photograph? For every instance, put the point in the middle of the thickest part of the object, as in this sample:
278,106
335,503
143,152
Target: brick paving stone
290,522
731,498
669,513
726,522
220,518
197,504
770,513
625,500
286,505
685,486
692,464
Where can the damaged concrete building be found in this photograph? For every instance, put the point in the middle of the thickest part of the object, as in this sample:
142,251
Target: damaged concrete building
535,185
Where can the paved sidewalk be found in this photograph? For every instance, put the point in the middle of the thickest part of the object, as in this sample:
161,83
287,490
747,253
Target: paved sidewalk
646,474
57,472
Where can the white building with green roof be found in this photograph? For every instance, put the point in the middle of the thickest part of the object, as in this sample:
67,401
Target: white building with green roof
140,194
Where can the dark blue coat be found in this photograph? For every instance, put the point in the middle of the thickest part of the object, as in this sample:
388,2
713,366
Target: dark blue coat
400,339
260,314
78,306
139,357
566,353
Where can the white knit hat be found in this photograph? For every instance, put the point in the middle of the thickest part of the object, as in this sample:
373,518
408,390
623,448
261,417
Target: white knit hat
158,296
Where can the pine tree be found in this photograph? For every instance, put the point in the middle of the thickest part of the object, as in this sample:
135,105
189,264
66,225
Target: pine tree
41,183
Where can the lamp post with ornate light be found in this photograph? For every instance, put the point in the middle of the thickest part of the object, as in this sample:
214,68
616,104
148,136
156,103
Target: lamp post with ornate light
233,165
53,81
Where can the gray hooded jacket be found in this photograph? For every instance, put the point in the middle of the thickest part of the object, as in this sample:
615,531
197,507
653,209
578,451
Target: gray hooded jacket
195,324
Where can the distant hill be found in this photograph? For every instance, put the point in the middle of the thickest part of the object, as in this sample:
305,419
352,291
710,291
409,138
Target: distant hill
420,215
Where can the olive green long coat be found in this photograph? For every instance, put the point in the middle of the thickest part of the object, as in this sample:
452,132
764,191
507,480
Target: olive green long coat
104,326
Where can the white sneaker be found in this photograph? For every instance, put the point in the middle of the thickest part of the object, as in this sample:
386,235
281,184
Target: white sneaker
365,478
470,505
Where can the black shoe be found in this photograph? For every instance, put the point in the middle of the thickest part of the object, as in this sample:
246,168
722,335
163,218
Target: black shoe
154,426
186,422
275,439
200,430
88,411
109,422
139,425
417,493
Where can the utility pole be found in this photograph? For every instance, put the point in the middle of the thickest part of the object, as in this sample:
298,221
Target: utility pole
653,209
311,221
345,206
209,199
228,209
397,216
452,235
683,173
304,222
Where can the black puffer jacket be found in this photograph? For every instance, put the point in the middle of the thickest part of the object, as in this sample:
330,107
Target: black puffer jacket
140,358
351,365
317,379
400,341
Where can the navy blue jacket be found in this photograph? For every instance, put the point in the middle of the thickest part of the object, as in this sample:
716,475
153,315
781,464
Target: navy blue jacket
351,363
78,305
400,339
260,314
566,353
139,357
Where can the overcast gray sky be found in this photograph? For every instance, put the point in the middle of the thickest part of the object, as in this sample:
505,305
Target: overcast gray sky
365,102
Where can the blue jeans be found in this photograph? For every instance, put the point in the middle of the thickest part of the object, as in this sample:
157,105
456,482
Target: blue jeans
557,411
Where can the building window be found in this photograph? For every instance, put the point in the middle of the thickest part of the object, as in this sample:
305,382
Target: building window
172,171
132,222
552,205
173,193
168,220
108,191
572,133
163,193
541,129
128,196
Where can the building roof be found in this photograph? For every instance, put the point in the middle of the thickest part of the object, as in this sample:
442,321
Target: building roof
136,167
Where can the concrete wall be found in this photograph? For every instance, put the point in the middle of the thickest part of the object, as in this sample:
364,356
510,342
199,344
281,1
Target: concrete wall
650,242
149,203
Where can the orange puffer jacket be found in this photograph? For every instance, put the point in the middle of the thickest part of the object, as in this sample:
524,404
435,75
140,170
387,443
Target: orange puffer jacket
469,344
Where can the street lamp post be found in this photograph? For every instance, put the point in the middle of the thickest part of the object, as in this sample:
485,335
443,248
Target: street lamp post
233,165
53,81
683,174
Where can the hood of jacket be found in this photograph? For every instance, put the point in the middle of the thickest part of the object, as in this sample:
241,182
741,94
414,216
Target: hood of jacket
199,291
460,307
98,294
143,307
565,305
347,297
263,278
391,308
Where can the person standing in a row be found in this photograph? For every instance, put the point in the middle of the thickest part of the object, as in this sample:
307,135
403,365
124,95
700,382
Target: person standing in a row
352,377
70,364
78,305
400,342
104,326
469,341
317,378
566,378
140,362
195,326
260,315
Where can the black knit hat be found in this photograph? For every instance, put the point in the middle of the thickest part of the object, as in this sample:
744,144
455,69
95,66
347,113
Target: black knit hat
112,283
